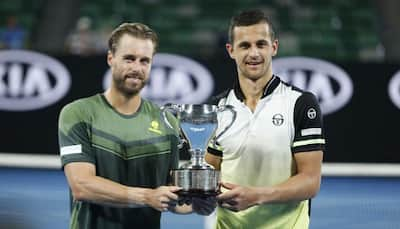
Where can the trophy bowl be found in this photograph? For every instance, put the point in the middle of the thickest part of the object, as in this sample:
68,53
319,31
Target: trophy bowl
198,124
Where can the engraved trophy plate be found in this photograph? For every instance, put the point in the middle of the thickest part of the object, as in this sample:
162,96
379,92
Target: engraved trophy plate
198,123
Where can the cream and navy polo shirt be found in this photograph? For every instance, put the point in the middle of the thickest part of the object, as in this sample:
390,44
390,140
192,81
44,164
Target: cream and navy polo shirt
286,121
258,149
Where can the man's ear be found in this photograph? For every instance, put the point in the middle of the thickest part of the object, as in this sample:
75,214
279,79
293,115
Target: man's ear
109,58
229,49
275,45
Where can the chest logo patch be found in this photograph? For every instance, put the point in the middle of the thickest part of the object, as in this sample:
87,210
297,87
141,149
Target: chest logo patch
155,127
277,119
311,113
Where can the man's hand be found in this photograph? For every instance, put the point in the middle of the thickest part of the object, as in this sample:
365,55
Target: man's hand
162,197
199,205
237,197
204,206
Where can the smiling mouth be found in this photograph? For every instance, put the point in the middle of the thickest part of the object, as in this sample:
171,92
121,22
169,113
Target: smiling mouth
253,63
134,76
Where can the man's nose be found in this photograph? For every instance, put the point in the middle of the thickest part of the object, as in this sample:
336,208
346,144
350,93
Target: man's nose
134,64
254,51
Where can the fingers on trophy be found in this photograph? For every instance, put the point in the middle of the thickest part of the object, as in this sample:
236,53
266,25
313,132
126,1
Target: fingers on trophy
198,123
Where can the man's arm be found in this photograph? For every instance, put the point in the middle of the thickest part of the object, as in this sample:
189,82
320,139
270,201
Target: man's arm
86,186
304,185
213,160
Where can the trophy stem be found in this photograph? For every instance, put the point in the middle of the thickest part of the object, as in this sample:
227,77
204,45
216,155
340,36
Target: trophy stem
198,123
197,158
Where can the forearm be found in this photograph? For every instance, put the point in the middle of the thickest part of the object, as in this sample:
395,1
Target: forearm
303,185
103,191
297,188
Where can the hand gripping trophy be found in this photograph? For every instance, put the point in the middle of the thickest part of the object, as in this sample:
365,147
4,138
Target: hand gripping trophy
198,124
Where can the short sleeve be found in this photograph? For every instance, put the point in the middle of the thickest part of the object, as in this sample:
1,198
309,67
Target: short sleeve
309,133
215,149
74,135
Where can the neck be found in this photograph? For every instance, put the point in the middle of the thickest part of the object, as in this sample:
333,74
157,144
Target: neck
126,105
253,90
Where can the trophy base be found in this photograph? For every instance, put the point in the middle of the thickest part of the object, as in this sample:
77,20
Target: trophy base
196,182
185,196
197,193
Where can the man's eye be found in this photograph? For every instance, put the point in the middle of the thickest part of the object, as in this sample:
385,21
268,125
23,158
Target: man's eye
262,44
129,58
145,61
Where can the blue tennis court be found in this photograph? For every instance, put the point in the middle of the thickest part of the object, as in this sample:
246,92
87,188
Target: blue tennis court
38,199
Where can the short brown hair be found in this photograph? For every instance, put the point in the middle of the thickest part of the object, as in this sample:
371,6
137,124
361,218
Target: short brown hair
247,18
138,30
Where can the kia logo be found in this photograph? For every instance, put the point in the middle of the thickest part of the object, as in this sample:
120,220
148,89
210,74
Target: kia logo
29,80
175,79
328,82
394,89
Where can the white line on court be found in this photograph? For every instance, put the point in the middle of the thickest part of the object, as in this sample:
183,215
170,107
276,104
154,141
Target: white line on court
328,169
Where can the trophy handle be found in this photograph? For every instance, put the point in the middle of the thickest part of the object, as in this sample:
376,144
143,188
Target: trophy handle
222,109
166,107
174,108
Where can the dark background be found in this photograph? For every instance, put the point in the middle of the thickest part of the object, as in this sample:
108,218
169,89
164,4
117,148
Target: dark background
364,130
360,36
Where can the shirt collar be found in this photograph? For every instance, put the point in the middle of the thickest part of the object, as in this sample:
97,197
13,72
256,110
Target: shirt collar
268,89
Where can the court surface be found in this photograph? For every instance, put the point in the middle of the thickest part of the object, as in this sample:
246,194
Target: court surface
38,199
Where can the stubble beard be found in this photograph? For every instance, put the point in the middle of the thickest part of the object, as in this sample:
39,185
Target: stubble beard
247,73
127,91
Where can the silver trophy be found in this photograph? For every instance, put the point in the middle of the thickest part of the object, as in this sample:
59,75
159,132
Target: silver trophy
198,124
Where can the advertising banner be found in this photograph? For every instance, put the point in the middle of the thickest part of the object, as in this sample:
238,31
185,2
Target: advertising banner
360,101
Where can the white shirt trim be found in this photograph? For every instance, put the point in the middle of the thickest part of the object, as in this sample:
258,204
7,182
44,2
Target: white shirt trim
311,131
73,149
308,142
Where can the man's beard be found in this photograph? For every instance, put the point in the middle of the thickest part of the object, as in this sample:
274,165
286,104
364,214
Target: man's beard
120,85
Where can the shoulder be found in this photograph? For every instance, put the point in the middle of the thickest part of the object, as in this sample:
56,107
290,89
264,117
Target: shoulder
302,99
150,107
154,110
301,96
79,110
289,88
307,99
82,104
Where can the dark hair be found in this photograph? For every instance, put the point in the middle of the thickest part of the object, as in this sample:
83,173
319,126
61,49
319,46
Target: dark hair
138,30
247,18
